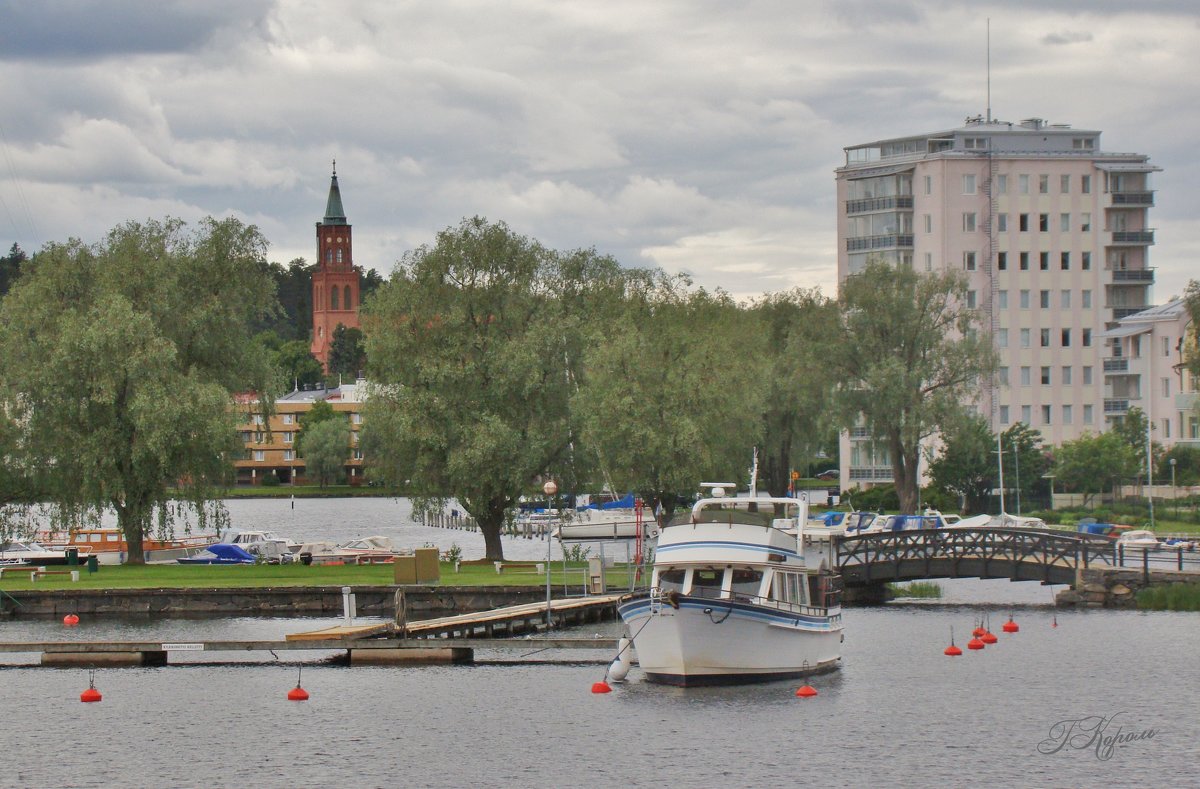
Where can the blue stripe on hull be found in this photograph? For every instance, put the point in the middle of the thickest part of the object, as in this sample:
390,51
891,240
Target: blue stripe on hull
711,680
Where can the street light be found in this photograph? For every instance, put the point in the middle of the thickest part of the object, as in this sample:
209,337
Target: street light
550,488
1174,493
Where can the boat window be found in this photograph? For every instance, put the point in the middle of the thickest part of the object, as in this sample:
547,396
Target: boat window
745,584
671,580
706,582
111,537
779,588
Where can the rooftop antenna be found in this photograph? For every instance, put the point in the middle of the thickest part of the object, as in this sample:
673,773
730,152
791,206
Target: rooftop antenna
989,69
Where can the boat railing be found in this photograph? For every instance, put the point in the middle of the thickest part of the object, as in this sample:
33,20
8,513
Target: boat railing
659,596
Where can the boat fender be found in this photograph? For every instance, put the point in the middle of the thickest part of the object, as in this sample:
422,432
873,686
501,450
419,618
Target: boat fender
622,663
673,599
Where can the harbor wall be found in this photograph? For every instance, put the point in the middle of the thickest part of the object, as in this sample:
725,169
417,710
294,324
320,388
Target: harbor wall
1117,587
423,602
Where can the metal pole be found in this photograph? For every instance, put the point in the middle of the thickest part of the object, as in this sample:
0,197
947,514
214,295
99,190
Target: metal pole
550,488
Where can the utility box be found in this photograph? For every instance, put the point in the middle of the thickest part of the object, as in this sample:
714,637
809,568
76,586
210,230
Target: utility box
427,565
405,568
596,575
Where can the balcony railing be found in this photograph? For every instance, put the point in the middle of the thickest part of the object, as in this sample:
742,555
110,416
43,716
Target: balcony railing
1133,237
1116,405
1116,364
866,204
1140,276
871,474
879,242
859,432
1187,401
1133,198
1125,312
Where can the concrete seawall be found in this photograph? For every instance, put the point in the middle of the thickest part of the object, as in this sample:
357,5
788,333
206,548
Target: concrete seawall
422,601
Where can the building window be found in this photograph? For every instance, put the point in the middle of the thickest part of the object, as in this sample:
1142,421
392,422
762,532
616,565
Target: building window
969,260
339,256
928,223
969,222
1166,387
1085,184
356,418
329,256
260,455
1044,299
968,184
348,302
333,298
1024,338
1085,261
1004,415
1087,375
1002,184
287,437
1166,428
357,454
975,144
1003,376
1002,338
1066,337
1023,184
1064,261
1023,299
1087,414
1027,414
1044,338
1085,297
1043,184
1024,261
1025,376
1002,222
1023,222
1045,376
1086,342
1064,184
1166,346
1083,144
1002,299
929,261
1067,416
971,299
1066,375
1045,415
1044,261
289,454
1065,299
929,184
1002,261
1064,222
288,419
1043,222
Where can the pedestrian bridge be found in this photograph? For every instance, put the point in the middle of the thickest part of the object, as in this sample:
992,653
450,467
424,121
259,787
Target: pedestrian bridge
1044,555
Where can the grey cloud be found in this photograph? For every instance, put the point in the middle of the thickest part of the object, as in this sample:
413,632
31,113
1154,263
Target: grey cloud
1066,37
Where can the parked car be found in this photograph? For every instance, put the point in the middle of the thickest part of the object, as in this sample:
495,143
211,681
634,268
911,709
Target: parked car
828,474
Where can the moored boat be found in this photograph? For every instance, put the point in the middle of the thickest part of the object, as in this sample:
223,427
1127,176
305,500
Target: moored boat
108,544
27,552
738,594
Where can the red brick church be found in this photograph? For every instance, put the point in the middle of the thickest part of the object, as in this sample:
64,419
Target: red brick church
335,282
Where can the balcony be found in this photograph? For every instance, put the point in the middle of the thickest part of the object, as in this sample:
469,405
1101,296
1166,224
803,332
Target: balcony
859,433
1187,401
868,204
1138,199
1116,364
1125,312
1132,238
1136,276
879,242
1116,405
871,474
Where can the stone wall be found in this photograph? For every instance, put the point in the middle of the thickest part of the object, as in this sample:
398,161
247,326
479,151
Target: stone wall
1117,587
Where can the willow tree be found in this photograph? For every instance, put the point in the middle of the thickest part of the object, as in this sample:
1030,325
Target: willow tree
673,392
474,346
120,359
909,359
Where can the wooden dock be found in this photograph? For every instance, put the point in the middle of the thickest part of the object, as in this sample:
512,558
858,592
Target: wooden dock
445,639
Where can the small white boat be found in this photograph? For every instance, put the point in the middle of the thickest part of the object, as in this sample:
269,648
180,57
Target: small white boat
22,552
618,524
371,549
738,594
1141,539
286,545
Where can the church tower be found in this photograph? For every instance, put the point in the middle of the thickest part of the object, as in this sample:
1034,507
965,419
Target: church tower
335,295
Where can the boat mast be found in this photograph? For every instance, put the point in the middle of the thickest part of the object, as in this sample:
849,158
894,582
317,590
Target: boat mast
1000,464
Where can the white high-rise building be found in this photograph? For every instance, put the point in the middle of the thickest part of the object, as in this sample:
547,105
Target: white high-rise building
1053,235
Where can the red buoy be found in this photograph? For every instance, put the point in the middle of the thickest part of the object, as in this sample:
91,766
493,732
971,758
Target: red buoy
601,687
977,632
806,691
952,651
1055,621
90,695
70,619
1010,626
988,637
974,643
297,694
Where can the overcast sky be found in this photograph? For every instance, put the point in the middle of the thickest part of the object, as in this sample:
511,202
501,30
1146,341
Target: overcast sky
694,135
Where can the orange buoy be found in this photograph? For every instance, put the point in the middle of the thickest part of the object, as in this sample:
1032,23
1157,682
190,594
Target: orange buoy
977,632
70,619
601,687
952,650
298,693
91,694
806,691
1010,626
1055,621
988,637
975,643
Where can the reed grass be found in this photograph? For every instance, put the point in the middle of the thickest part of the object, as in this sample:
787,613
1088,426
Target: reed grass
1173,597
918,589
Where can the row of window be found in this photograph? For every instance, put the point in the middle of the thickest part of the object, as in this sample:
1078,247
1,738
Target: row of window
1045,337
1044,299
260,455
970,222
290,419
970,184
1065,379
1064,261
1067,414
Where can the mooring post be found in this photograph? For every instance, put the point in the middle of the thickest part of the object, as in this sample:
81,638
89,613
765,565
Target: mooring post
1146,566
401,614
348,611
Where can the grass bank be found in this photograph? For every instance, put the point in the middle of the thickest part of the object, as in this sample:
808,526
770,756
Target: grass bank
919,589
252,576
1173,597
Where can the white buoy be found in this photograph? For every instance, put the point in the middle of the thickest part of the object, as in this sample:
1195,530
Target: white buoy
621,665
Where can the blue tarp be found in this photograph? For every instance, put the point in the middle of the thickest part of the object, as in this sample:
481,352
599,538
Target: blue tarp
624,503
220,553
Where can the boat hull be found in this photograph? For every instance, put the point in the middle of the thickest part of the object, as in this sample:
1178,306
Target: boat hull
708,641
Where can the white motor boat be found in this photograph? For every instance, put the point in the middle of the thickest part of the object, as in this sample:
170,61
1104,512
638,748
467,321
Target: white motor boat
22,552
286,546
1142,539
618,524
738,594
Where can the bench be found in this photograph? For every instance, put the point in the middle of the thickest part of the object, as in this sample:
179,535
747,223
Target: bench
42,572
20,568
537,567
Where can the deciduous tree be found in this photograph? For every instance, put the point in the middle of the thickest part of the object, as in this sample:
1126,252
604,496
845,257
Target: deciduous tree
326,449
966,465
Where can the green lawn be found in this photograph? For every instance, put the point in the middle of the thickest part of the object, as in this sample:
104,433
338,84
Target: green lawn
176,576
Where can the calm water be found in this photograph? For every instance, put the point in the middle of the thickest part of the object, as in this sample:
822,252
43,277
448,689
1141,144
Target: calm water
899,713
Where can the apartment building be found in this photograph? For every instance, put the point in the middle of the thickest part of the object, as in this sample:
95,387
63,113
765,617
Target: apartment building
273,451
1053,235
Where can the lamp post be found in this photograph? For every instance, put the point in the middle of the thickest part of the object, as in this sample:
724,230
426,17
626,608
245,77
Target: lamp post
550,488
1174,493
